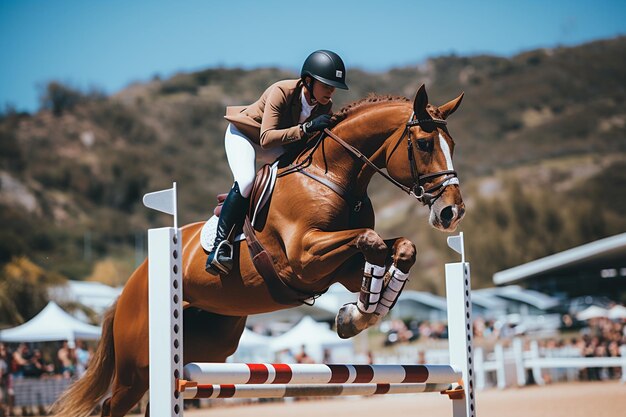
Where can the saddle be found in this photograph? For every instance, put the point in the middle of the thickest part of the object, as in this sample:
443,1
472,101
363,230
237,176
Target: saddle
260,198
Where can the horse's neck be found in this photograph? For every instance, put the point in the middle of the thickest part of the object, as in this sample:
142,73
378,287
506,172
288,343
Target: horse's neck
367,131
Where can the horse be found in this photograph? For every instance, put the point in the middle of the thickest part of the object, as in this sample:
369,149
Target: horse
319,231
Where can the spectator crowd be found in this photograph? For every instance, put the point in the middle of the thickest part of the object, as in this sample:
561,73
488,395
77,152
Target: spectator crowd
21,361
599,337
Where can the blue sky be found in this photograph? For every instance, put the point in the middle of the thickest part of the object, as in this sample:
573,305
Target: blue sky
109,44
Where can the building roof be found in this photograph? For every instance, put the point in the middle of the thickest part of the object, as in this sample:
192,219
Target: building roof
536,299
488,301
594,252
430,300
94,295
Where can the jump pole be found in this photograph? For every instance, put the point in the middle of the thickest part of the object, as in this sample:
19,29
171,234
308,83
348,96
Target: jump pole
168,388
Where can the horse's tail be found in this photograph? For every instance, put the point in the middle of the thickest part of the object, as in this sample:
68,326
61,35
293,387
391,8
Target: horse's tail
82,396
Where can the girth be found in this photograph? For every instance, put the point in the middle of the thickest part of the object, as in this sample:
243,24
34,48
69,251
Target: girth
279,290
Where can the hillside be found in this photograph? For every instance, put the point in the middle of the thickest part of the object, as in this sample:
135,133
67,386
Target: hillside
540,150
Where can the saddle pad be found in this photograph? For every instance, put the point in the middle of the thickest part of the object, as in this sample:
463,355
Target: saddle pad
207,235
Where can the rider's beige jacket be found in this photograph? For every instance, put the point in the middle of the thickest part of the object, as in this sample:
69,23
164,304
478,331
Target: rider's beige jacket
273,119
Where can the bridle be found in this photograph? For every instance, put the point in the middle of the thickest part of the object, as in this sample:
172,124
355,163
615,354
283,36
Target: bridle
426,196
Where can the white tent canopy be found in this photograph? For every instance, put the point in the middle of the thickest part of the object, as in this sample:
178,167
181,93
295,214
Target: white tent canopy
51,324
253,339
253,347
95,295
592,312
315,337
617,312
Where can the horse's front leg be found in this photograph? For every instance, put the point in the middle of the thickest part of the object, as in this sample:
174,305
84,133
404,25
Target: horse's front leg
376,298
322,253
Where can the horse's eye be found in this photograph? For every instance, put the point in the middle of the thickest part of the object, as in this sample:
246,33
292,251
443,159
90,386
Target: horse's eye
425,145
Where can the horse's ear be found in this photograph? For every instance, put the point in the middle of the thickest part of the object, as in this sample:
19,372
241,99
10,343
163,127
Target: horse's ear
420,103
451,106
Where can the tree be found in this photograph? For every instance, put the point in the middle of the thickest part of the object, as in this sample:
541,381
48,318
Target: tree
24,290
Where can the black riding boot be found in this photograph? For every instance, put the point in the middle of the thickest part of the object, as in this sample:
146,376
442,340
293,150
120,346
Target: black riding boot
220,259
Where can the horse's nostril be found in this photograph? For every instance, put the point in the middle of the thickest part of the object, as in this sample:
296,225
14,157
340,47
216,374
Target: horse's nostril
447,214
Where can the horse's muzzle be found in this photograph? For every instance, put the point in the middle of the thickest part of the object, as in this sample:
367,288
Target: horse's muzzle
448,217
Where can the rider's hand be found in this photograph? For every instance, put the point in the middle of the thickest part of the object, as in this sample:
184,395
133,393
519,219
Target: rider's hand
317,125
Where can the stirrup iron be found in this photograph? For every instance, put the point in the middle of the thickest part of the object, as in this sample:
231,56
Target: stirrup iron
216,259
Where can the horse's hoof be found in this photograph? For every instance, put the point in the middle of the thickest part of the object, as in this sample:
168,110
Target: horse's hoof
345,321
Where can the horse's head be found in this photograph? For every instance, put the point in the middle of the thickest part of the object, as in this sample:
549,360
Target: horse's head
426,165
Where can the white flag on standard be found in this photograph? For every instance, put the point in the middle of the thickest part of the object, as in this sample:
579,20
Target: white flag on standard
456,243
164,201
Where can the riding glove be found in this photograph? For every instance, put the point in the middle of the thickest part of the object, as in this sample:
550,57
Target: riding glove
316,125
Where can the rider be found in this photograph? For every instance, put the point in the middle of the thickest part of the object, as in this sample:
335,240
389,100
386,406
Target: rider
288,111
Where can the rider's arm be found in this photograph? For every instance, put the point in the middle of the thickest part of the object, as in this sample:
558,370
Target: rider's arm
271,135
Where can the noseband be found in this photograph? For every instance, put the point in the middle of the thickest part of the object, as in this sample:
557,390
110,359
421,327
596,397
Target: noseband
426,196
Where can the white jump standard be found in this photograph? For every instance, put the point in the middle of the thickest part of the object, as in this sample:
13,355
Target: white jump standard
170,383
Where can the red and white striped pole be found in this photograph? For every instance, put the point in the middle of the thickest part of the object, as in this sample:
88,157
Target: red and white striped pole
192,390
260,373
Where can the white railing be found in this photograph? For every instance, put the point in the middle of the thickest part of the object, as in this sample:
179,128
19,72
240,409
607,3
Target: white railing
507,367
511,365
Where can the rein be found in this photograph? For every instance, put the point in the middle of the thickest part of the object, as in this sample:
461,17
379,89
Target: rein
425,196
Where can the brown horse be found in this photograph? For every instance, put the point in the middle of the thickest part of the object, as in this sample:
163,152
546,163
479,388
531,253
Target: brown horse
317,236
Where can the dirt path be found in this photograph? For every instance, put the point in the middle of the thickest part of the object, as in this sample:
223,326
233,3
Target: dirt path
599,399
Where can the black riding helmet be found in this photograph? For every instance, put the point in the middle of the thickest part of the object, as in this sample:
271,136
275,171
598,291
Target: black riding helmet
325,66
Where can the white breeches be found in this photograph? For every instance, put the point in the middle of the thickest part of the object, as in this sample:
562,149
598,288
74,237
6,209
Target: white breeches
243,156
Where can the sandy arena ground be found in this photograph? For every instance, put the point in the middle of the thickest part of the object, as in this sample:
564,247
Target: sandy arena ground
599,399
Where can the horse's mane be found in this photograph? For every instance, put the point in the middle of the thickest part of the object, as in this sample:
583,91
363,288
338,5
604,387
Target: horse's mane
346,111
372,99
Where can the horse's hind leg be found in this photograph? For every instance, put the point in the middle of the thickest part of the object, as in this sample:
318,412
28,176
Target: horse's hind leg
210,337
124,396
130,328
